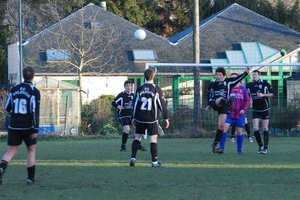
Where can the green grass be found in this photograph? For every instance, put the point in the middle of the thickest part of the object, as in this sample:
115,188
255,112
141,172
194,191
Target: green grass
95,169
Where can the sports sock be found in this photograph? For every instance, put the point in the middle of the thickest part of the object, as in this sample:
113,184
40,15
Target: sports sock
134,148
266,139
233,128
31,172
124,138
247,128
218,137
3,164
240,140
153,149
258,138
223,140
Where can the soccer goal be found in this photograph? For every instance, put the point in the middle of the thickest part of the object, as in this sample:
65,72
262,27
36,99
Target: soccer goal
177,81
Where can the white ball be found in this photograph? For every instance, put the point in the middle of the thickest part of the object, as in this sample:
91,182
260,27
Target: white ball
140,34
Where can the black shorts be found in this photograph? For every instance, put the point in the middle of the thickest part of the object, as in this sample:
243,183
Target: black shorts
152,129
221,110
125,121
261,115
15,137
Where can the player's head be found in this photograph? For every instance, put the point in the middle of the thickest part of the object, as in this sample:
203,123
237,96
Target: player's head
234,75
28,73
149,74
128,86
256,75
220,73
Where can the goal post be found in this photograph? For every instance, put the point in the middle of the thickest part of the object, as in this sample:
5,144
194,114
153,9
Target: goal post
275,73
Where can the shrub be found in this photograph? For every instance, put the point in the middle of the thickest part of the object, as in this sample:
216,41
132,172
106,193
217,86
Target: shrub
97,114
108,129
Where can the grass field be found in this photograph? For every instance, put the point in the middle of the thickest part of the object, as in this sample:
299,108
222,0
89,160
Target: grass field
95,169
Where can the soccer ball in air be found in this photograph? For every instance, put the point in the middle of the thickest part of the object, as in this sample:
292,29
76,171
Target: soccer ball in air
140,34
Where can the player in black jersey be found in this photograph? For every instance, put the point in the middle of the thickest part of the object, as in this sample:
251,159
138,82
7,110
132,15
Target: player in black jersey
23,103
260,92
124,104
148,101
218,99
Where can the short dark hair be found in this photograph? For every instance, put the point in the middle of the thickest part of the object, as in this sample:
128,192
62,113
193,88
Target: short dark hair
222,70
127,82
234,73
28,73
256,71
149,74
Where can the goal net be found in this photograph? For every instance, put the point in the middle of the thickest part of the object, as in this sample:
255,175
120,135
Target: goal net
186,98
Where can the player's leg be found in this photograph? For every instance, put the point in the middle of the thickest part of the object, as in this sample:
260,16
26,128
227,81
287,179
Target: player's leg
218,137
247,129
239,140
221,102
126,130
31,152
125,123
240,123
11,152
224,137
224,134
139,131
134,148
255,123
153,135
233,130
133,128
265,124
13,141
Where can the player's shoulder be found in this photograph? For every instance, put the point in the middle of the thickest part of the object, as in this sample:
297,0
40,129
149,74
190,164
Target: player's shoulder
121,93
264,81
213,81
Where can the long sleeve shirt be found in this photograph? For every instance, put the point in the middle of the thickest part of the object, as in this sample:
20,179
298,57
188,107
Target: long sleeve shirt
241,101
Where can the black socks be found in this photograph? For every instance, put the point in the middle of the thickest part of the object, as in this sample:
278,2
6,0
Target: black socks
134,148
218,137
124,138
31,172
153,149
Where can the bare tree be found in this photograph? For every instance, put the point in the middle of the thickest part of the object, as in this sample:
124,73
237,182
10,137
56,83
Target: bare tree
82,43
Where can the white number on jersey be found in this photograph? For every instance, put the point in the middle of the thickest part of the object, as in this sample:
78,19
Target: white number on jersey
20,106
147,103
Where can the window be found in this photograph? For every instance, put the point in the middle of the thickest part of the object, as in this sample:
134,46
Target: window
91,25
144,55
57,55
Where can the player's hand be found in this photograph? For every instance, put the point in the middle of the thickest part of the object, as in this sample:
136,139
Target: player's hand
242,112
120,107
133,122
260,94
248,68
207,108
34,135
167,123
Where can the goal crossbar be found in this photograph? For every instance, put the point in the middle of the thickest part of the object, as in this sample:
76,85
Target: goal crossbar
147,65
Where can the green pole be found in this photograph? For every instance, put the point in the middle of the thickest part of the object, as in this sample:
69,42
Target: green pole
280,87
175,92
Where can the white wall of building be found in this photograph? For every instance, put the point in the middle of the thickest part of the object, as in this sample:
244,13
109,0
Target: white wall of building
94,87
